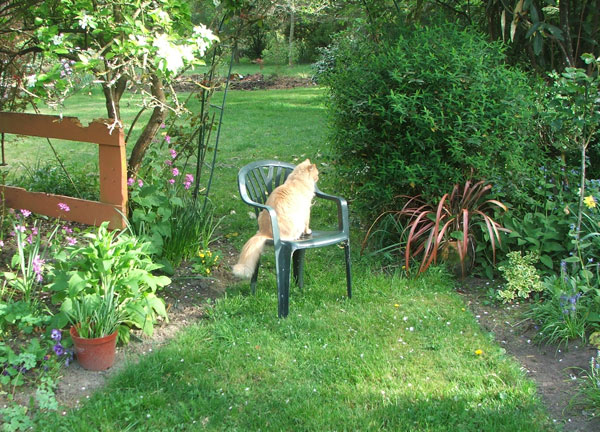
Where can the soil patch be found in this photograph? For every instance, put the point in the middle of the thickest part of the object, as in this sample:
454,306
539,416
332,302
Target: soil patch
556,370
255,81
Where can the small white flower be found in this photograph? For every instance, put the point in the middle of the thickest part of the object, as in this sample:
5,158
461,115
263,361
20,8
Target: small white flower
31,80
58,39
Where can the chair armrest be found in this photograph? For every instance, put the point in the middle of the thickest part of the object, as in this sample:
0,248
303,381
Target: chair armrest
342,207
270,210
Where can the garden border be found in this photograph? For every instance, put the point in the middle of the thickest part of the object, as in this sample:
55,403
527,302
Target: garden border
112,166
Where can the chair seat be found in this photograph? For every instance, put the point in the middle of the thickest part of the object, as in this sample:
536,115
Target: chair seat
316,239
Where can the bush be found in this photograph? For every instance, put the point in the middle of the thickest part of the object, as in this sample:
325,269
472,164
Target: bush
434,108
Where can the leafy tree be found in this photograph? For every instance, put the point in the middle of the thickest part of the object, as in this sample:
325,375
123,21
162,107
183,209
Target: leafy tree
137,46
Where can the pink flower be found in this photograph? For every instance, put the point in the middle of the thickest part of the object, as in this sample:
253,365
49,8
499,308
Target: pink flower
140,183
187,185
162,126
29,239
71,241
172,151
175,172
168,139
34,231
171,181
64,207
130,181
37,264
20,228
25,212
67,230
169,162
1,244
189,178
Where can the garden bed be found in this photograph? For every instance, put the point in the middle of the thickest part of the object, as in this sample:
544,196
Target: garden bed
556,370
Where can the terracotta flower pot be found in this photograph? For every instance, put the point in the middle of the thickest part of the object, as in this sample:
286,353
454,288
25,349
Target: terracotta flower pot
94,354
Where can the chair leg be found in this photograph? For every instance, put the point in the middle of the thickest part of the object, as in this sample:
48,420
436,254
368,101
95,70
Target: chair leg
348,269
254,277
298,262
283,258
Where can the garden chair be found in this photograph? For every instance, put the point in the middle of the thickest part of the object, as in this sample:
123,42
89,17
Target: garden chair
256,181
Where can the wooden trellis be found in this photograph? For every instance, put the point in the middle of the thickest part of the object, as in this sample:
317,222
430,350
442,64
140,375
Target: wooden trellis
112,165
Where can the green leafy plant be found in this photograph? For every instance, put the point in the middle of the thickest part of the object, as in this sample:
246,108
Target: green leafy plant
110,262
563,313
522,278
96,315
427,110
165,212
205,261
589,392
431,228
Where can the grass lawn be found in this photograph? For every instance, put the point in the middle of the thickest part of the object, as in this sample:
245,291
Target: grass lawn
400,355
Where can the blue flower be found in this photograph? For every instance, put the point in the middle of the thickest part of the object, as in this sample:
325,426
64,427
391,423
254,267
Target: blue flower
56,335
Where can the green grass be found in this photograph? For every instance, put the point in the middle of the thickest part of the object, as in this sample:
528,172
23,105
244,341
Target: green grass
400,355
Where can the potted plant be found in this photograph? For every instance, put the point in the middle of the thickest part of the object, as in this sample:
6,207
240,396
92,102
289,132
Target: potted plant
95,321
106,287
446,229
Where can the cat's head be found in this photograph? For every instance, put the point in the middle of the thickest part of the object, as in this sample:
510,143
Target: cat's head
309,170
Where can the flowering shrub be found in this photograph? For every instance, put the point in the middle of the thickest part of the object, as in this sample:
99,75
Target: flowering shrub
163,210
205,261
563,315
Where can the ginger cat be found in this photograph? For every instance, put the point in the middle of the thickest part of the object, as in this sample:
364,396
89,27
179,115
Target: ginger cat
291,201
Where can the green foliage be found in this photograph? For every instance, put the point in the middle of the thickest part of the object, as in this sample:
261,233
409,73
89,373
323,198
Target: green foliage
589,393
110,262
205,261
50,178
434,108
454,219
544,235
521,276
164,212
563,315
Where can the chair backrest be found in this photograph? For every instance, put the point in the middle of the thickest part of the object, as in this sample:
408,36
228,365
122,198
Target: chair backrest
258,179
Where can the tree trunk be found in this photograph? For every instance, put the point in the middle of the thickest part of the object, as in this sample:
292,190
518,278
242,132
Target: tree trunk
564,7
291,40
112,97
158,116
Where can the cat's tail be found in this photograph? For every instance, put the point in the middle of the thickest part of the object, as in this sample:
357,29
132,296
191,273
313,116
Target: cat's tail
249,256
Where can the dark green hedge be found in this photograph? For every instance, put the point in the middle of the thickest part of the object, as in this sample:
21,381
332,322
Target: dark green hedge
431,109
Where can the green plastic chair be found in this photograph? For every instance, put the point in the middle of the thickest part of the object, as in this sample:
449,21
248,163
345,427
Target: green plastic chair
256,181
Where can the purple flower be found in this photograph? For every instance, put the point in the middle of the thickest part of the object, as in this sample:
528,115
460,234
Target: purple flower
71,241
175,172
25,212
20,228
168,139
64,207
67,230
130,181
58,349
171,181
140,183
34,231
56,335
172,151
29,239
